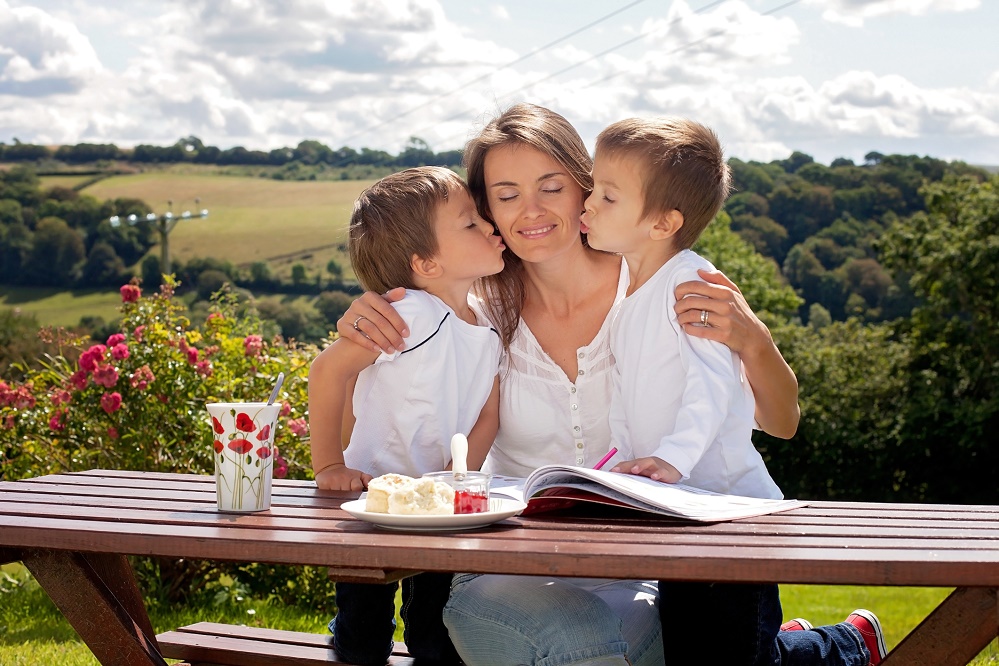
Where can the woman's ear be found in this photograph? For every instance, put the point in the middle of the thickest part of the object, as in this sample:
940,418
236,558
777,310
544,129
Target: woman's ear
426,269
667,225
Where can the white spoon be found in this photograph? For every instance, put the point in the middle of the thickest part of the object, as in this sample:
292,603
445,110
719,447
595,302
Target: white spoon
459,453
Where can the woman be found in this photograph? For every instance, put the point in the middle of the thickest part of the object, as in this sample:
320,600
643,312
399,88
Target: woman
529,173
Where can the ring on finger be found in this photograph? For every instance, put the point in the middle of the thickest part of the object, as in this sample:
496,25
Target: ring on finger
704,318
357,321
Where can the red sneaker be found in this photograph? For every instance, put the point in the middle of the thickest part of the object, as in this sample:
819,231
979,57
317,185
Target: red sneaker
870,630
797,624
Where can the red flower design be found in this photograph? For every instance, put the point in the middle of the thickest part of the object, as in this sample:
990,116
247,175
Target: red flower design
217,426
218,444
264,452
240,446
264,433
244,422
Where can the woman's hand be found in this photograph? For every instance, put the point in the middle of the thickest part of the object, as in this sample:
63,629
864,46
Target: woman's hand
730,320
373,323
717,310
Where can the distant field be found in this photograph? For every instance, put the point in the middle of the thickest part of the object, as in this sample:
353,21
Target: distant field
250,219
55,307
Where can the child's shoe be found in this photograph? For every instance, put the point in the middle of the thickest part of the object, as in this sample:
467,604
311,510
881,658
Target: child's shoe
797,624
869,627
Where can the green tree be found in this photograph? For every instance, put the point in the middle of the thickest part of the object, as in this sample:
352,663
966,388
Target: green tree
55,253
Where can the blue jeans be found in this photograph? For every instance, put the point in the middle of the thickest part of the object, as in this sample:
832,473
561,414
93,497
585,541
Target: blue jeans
497,620
365,620
748,619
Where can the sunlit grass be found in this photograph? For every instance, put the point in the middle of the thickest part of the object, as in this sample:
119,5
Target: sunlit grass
61,307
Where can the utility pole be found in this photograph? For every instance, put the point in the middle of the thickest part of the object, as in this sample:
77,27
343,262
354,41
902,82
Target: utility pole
164,225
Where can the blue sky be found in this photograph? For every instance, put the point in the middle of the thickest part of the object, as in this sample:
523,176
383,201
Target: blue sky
831,78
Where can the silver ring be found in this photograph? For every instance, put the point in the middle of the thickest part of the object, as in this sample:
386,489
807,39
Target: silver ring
704,318
356,321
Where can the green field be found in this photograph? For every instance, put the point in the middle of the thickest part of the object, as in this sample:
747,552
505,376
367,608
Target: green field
58,307
250,219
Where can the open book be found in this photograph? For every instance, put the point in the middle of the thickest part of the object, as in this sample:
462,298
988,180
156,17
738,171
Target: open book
559,486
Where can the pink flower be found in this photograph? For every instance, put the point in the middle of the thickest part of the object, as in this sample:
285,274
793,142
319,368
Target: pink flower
8,423
215,315
115,339
142,378
113,433
55,423
137,333
6,394
210,349
130,293
79,380
111,402
61,396
299,426
280,466
204,368
253,344
120,351
90,358
106,375
23,399
192,355
162,398
285,409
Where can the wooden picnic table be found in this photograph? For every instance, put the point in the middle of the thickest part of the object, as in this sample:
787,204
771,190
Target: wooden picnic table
73,532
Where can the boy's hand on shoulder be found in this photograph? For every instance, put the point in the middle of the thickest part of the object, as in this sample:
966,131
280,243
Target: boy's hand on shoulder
341,477
656,469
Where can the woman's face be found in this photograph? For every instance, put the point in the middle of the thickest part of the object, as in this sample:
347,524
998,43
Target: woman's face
533,200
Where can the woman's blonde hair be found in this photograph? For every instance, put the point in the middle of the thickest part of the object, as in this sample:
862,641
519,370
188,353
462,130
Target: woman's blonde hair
550,133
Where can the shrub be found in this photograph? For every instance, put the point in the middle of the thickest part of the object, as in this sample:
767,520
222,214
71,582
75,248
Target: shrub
138,402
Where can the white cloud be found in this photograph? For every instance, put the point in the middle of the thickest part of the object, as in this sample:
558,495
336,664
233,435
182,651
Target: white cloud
41,54
500,12
854,12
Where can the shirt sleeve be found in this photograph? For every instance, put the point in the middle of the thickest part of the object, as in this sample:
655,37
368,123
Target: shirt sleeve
712,380
424,316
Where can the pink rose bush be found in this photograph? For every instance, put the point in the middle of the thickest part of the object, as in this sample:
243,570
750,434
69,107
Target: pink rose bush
137,401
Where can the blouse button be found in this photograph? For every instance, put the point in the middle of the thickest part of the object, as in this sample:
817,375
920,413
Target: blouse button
575,407
572,390
582,355
582,372
576,428
579,445
579,460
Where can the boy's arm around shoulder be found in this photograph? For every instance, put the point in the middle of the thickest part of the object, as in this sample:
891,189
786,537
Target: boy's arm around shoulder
329,377
484,431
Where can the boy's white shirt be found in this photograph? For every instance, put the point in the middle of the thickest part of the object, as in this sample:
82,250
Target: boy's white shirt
407,405
681,398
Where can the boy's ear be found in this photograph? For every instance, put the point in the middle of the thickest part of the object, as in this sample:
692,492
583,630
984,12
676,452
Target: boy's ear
425,268
666,225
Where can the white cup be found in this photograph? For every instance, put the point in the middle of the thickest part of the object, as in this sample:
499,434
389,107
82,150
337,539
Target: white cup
243,448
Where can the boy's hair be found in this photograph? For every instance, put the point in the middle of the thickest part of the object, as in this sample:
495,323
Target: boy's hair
393,220
683,168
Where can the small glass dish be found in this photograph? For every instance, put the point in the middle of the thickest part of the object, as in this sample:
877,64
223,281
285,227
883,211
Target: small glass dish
471,492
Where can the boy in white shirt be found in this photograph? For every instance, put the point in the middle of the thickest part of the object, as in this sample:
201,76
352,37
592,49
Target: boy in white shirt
682,408
374,413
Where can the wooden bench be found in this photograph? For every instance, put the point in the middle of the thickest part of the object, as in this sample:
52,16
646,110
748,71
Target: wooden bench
213,644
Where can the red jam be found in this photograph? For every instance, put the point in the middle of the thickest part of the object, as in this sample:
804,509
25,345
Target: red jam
465,501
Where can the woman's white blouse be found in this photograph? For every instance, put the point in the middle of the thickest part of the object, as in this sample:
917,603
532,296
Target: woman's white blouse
545,418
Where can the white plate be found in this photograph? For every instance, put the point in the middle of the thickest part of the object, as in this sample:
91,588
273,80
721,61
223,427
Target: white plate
499,508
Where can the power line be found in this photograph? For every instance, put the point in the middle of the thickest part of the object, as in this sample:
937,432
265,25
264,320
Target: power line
488,74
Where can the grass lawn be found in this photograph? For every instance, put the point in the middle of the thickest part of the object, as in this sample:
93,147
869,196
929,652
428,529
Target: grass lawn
34,633
250,219
60,307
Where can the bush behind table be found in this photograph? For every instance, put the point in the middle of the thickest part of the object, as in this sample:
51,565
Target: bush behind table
137,402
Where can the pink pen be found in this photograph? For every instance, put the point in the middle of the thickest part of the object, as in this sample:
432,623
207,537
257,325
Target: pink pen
603,461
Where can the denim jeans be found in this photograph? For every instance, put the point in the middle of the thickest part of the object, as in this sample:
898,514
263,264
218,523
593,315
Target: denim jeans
748,619
497,620
365,620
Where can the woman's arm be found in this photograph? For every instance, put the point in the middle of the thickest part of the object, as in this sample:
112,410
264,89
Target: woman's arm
373,323
732,322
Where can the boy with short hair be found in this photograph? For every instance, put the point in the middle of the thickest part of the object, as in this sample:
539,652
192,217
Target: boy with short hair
682,408
417,229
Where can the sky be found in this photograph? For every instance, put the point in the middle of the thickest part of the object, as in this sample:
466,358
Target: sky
830,78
